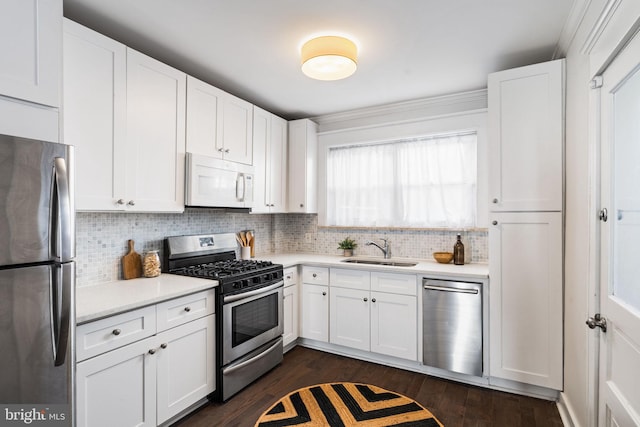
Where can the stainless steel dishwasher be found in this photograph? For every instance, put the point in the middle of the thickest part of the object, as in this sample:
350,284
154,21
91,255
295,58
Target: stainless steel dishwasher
452,325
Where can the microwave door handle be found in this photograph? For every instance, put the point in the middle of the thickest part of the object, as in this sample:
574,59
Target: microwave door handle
240,187
61,212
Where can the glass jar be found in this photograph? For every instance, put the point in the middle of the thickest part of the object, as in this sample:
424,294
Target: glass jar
151,264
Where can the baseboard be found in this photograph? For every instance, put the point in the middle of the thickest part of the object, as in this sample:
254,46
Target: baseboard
567,414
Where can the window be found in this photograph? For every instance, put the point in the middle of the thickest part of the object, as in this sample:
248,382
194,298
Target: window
422,182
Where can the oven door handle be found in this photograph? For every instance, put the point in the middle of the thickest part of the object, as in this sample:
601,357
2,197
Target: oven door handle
253,359
238,297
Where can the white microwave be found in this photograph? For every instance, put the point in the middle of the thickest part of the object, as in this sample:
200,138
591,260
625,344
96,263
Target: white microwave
218,183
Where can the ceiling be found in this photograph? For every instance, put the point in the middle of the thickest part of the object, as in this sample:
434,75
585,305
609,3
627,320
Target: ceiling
408,49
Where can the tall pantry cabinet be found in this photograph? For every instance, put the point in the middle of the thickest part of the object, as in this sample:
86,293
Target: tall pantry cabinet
526,157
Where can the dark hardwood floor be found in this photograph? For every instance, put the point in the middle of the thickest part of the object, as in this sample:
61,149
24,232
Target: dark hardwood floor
454,404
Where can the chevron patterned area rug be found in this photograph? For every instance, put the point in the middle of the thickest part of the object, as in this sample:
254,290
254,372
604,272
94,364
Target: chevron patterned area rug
346,405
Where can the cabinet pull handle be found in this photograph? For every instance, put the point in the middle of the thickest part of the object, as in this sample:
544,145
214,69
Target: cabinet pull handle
220,150
152,351
314,275
116,332
495,201
226,151
187,309
164,345
289,277
373,300
301,205
366,299
131,203
494,222
120,202
324,294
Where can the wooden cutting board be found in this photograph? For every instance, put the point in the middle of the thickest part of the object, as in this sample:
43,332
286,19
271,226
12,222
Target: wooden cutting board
131,263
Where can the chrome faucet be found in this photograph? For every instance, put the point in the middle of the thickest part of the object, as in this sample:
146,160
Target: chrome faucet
386,250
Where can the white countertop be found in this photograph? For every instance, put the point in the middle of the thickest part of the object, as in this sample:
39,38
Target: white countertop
426,267
97,301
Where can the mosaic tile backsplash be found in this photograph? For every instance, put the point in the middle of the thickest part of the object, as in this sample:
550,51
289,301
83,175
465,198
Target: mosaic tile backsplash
101,238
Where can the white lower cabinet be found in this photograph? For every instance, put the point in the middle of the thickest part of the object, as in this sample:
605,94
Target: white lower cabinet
394,325
185,366
314,303
149,381
290,306
380,322
118,388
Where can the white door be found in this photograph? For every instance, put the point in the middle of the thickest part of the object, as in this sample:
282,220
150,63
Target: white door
619,377
349,318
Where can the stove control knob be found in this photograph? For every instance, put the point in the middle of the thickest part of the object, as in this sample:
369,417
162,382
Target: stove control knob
236,285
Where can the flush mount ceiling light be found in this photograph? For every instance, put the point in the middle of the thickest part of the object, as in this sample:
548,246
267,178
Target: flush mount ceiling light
329,58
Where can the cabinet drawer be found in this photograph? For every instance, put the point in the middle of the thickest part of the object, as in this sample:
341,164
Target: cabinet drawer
394,283
352,279
290,276
315,275
182,310
107,334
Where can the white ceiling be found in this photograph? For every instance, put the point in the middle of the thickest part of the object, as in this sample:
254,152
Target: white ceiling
408,49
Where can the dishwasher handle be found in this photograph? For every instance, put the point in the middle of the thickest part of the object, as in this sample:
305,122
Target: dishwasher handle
447,289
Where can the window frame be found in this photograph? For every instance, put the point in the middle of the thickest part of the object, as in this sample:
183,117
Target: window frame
475,121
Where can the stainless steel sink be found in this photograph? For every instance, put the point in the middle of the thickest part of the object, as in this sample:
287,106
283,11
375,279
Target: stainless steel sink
380,262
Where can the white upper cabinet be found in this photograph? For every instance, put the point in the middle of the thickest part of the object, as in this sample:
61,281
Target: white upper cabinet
124,113
156,97
526,115
269,162
30,49
219,124
95,109
303,166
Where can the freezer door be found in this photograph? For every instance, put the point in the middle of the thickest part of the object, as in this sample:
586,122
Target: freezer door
36,334
36,203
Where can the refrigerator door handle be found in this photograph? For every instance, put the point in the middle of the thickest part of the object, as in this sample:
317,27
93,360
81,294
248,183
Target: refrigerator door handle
62,285
61,221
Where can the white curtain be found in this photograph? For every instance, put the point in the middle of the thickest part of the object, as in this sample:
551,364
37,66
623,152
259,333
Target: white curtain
421,182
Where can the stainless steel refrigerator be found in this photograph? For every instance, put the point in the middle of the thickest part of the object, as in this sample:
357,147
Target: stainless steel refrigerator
37,282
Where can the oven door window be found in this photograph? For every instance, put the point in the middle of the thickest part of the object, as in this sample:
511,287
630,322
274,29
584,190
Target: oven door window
251,319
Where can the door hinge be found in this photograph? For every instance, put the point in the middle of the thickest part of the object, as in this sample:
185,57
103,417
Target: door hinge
597,321
596,82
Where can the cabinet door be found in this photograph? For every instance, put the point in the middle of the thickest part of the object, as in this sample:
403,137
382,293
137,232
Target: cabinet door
30,50
237,129
277,166
526,138
315,312
349,318
94,78
186,366
290,309
526,298
156,97
303,160
261,162
118,388
394,320
204,118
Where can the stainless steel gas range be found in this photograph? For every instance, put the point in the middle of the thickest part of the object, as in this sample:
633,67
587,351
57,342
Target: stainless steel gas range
249,320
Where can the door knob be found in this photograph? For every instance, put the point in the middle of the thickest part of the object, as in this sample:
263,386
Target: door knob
597,321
